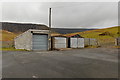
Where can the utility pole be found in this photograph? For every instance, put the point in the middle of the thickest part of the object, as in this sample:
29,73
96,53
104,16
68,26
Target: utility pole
49,18
50,29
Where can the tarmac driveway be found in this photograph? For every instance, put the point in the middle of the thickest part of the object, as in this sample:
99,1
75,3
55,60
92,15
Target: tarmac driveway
75,63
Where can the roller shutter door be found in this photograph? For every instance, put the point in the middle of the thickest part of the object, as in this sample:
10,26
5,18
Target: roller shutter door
40,42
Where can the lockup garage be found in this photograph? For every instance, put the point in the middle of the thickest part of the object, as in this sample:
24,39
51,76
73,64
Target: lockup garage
58,42
75,41
33,40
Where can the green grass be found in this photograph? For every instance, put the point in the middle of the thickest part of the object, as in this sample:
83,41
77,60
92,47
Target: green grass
11,49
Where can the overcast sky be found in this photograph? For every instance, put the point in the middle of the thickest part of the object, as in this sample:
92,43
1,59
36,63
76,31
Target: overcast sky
64,14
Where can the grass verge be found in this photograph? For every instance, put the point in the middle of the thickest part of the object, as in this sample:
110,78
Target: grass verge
11,49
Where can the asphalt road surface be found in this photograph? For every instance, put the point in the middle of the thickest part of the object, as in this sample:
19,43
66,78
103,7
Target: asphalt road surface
75,63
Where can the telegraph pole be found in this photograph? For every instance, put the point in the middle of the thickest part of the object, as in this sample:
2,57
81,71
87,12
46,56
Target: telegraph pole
50,29
50,18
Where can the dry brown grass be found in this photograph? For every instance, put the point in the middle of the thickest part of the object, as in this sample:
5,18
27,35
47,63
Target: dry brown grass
6,35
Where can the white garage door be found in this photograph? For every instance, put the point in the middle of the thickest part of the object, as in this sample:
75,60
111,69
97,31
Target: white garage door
81,43
73,42
77,42
60,42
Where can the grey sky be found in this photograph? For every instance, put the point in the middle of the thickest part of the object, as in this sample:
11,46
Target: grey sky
64,14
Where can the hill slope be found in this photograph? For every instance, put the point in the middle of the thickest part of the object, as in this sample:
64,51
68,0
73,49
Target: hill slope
69,30
101,33
6,35
21,27
105,36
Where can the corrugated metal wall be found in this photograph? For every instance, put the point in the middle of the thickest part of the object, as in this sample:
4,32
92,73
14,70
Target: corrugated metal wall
73,42
59,42
81,43
93,41
90,41
87,41
77,42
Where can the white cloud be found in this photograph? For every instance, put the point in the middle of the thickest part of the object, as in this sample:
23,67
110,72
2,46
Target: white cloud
0,11
64,14
60,0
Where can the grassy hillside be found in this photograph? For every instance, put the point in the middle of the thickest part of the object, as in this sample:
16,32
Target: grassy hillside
6,35
6,38
21,27
102,33
69,30
105,36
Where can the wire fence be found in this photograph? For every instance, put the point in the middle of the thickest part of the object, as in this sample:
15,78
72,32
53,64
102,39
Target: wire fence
6,44
90,42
